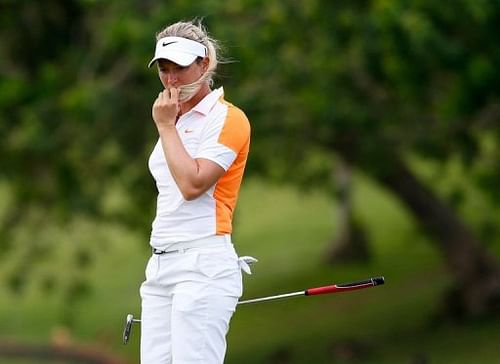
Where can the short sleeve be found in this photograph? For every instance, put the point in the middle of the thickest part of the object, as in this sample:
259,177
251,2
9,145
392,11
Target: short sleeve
225,137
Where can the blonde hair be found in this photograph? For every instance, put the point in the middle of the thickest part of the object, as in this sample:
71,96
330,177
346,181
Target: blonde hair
195,30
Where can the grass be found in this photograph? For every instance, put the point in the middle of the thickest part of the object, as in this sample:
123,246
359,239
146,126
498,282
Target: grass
401,306
289,232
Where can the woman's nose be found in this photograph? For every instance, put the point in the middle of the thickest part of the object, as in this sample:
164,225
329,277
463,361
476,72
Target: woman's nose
171,78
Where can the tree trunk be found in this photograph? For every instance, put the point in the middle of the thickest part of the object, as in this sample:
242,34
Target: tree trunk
477,274
349,244
476,291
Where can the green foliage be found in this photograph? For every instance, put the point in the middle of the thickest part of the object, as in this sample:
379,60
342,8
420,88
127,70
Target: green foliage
409,77
372,78
387,324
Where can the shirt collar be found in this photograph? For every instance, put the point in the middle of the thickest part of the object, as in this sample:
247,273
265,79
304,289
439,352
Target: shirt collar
206,104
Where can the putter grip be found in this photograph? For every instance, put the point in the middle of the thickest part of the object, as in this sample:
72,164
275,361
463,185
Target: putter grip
345,286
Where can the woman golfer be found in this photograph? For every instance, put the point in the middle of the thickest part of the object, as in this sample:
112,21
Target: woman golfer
193,278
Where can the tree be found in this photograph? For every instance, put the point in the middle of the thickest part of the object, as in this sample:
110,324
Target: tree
370,81
377,82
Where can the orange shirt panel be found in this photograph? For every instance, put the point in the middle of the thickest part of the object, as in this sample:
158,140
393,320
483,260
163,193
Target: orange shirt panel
235,135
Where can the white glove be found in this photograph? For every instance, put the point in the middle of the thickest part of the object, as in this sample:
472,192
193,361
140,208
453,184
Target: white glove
245,263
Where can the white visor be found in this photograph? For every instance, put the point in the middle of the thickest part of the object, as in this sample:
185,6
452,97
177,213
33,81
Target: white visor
179,50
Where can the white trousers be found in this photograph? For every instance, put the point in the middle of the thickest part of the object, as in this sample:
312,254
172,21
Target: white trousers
188,299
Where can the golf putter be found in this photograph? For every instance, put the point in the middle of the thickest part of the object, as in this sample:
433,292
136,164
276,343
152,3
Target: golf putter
334,288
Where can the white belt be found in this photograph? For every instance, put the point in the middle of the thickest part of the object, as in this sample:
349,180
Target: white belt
182,246
211,242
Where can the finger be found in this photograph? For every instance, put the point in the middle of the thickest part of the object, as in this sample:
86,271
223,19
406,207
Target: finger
159,98
174,93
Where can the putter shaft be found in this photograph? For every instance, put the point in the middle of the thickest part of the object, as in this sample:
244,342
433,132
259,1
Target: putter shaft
271,298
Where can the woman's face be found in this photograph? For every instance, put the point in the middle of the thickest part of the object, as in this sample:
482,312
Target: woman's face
173,75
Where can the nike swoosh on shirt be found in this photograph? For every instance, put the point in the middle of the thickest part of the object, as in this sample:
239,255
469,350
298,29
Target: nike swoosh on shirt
188,130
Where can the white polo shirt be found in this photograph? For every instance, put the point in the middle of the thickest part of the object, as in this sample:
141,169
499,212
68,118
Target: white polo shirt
216,130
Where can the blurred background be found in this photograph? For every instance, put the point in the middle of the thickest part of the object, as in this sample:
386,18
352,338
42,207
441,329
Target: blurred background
375,151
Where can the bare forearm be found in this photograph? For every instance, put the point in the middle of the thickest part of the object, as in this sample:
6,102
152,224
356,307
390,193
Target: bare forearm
184,169
192,176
